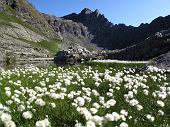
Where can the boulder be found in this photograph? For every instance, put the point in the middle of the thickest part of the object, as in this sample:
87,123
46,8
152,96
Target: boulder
163,61
1,9
73,55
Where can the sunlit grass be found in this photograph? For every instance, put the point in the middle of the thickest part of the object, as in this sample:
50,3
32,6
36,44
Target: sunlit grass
79,79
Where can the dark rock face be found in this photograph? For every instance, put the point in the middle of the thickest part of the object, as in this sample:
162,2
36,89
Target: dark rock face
91,27
150,48
119,36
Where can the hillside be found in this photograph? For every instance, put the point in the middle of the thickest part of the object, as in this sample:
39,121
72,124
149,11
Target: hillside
151,47
24,33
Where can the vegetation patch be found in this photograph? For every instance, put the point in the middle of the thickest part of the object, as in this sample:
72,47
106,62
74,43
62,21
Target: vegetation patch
85,96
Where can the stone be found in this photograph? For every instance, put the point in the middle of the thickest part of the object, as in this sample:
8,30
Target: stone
1,9
73,55
163,61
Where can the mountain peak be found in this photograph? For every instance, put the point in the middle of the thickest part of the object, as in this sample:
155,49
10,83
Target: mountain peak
97,12
86,11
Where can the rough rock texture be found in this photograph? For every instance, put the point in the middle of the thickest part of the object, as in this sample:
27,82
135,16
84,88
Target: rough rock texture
22,29
1,54
150,48
163,61
72,33
73,55
20,32
14,40
28,14
110,36
78,54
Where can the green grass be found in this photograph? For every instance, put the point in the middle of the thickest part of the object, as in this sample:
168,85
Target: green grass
51,45
5,19
64,114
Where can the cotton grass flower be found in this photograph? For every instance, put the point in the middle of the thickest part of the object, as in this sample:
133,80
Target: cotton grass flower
27,115
43,123
160,103
123,124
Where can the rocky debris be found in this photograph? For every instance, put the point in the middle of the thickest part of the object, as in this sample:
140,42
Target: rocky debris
72,55
16,41
163,61
75,55
150,48
18,31
2,56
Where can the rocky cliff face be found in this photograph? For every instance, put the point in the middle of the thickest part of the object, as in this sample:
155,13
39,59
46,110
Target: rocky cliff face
151,47
28,14
163,61
110,36
23,31
72,33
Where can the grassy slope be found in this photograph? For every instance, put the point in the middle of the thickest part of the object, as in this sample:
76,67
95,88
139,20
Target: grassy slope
52,45
5,19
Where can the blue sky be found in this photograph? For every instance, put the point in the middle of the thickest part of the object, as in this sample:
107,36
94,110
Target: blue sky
130,12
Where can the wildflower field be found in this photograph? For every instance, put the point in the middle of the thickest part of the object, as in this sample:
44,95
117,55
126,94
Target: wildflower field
93,95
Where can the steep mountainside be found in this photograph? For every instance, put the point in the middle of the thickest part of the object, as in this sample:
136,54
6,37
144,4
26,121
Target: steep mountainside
116,36
151,47
24,33
28,14
71,32
163,61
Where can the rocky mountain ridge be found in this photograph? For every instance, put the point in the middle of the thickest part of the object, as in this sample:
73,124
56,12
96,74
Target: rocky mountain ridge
118,36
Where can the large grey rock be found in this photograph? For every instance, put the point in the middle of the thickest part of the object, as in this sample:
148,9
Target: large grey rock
2,55
163,61
1,9
73,55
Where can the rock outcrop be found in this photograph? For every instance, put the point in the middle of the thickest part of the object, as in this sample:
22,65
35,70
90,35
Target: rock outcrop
18,40
72,33
163,61
151,47
78,54
73,55
23,31
28,14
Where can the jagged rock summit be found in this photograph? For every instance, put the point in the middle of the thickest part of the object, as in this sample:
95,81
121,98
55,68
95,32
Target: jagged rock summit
86,11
